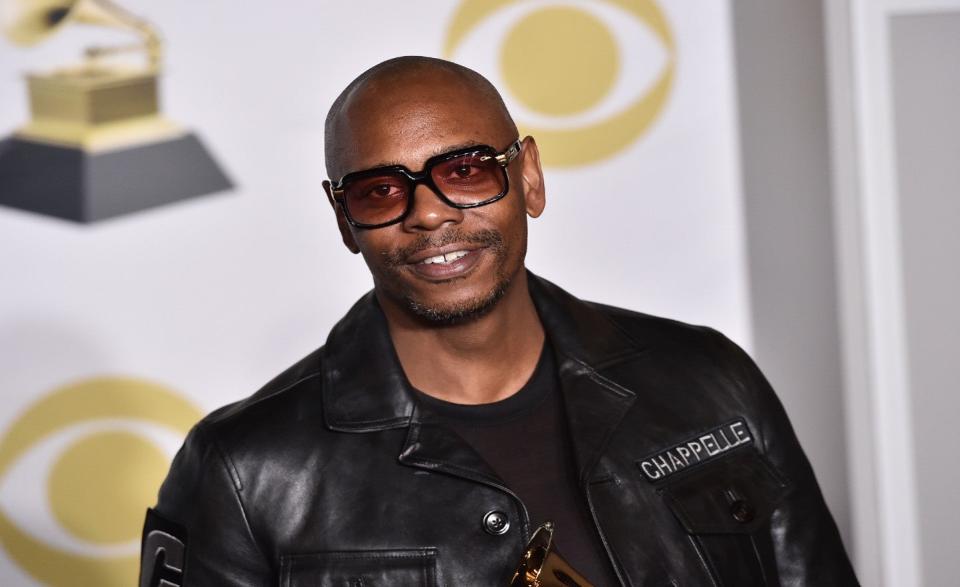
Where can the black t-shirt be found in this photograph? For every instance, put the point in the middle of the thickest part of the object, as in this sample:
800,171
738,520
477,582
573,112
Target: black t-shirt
525,439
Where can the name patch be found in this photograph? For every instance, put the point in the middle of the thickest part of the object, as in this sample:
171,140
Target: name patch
694,451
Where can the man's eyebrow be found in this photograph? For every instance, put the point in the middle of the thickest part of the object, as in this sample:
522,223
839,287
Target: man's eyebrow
455,147
437,151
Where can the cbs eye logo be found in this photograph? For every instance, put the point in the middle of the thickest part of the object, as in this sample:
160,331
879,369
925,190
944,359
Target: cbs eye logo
574,69
78,470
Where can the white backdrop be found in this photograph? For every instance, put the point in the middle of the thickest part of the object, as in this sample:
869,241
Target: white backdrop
212,297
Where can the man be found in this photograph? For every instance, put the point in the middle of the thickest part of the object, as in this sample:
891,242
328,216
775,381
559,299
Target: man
464,401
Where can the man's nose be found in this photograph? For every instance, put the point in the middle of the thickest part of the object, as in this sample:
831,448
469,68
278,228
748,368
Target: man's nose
429,211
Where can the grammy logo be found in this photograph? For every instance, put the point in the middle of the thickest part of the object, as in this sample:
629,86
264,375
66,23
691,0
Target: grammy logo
97,145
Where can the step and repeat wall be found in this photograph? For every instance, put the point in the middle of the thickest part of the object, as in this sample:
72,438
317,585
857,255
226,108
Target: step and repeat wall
119,330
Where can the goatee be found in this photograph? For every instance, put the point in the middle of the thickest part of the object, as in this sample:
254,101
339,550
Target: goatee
461,311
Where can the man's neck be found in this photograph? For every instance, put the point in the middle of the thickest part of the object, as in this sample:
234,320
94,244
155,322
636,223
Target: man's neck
480,361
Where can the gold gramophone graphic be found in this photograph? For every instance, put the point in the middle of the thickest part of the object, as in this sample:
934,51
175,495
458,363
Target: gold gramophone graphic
97,145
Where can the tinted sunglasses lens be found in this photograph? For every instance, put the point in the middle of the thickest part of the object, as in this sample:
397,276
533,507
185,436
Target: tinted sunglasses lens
376,199
469,179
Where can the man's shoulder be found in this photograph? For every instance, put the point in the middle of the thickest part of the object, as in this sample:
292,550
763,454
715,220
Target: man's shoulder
272,412
650,329
694,369
641,329
666,343
238,438
658,335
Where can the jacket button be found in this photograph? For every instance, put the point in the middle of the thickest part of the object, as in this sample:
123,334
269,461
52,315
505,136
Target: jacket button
741,511
496,523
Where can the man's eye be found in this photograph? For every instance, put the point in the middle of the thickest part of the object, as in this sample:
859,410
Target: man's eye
384,190
464,171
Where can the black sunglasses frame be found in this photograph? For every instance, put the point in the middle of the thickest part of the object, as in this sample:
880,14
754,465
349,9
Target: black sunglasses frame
503,158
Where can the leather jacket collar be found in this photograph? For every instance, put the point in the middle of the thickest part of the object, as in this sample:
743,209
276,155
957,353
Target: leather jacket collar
366,390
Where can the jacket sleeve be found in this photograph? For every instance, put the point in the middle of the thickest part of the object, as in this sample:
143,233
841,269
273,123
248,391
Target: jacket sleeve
200,510
805,539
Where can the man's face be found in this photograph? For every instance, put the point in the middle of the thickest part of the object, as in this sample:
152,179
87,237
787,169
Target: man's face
443,264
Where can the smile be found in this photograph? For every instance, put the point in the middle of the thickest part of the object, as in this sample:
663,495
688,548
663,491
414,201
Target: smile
445,258
456,262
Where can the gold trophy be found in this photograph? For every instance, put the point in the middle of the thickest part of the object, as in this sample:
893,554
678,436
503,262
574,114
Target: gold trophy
97,145
542,566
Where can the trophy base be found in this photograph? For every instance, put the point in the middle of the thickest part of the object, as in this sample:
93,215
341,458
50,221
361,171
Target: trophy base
74,184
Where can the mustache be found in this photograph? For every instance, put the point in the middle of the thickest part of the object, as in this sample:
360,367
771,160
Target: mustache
485,238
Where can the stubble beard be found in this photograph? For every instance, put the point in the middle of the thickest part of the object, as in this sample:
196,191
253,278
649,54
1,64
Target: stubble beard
459,311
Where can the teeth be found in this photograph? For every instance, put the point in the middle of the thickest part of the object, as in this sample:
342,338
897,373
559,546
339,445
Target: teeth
432,260
448,258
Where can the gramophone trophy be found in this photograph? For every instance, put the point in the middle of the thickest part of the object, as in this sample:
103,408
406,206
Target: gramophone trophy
97,145
542,566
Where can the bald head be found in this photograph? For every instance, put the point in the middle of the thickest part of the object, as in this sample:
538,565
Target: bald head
410,90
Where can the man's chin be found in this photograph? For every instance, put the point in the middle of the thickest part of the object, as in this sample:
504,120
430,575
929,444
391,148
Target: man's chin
458,312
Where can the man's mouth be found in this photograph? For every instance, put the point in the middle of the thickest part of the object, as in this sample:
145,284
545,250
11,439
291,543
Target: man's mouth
445,258
454,254
445,248
441,265
448,253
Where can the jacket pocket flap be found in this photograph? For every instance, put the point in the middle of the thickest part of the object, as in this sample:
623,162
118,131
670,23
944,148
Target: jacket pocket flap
733,495
361,568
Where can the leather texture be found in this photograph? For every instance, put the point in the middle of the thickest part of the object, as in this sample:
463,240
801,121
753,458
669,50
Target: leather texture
332,474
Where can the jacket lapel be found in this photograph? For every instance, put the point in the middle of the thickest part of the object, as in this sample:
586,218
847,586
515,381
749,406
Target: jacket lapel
594,407
587,343
365,389
432,446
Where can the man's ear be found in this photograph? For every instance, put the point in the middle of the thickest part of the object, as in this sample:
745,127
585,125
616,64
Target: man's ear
342,223
534,194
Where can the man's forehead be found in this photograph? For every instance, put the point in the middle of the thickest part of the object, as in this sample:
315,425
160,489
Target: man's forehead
411,108
405,132
404,119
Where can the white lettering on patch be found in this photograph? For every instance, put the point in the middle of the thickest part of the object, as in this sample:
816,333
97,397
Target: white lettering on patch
696,450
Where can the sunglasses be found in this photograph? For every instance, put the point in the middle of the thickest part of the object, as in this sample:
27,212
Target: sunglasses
465,178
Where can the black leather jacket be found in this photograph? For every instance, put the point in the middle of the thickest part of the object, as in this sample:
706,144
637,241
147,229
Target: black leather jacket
333,475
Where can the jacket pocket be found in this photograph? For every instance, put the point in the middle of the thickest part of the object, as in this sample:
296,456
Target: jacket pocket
726,509
360,568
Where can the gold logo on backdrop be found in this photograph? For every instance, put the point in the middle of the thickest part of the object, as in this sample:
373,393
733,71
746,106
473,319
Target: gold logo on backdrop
99,486
560,60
